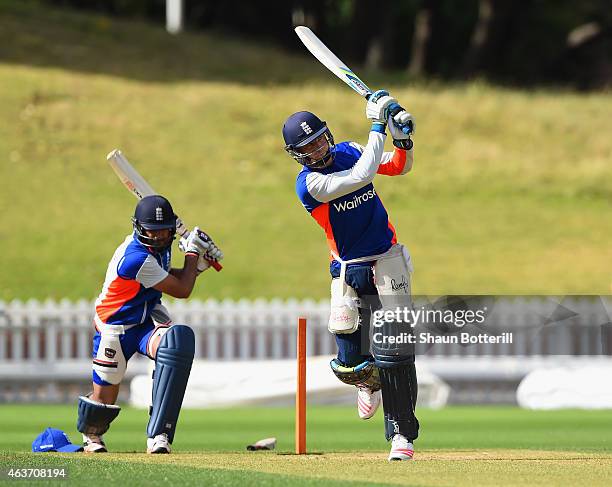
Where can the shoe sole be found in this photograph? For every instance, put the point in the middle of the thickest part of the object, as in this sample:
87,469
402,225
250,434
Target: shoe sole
365,418
398,457
158,451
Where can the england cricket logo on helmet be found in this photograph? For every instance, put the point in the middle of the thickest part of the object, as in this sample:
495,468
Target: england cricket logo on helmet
300,131
154,213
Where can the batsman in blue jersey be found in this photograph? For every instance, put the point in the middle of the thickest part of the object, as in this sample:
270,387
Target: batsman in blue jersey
129,318
370,270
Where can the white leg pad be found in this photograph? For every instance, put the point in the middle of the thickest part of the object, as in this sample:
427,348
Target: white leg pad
109,363
344,314
392,277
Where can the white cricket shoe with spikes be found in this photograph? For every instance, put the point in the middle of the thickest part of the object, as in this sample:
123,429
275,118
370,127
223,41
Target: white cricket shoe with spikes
93,444
401,448
367,402
159,444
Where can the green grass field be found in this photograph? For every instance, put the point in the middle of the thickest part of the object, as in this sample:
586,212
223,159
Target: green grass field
510,193
458,446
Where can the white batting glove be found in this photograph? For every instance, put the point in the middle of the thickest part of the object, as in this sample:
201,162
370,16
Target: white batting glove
211,252
377,108
192,243
402,119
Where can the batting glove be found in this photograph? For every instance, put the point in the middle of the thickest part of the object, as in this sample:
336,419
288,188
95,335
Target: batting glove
193,244
377,108
212,252
401,137
401,119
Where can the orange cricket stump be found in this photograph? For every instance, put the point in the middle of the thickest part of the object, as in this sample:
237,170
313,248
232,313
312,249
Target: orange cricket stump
300,393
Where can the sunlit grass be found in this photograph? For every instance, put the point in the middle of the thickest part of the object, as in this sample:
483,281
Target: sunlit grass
511,190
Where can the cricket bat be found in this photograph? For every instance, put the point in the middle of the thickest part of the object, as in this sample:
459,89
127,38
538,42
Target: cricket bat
331,61
336,66
139,187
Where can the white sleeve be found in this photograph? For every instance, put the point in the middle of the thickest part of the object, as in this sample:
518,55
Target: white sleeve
326,187
386,157
150,273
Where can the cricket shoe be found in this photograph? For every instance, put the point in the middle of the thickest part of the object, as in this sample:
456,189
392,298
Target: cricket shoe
159,444
401,449
367,401
93,444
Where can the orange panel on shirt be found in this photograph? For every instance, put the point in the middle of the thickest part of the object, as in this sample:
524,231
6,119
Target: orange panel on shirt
395,166
321,215
119,292
394,239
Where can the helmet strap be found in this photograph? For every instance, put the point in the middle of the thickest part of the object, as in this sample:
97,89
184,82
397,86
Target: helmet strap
151,243
305,160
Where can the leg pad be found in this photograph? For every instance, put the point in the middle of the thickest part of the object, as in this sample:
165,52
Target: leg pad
95,417
399,392
172,367
364,374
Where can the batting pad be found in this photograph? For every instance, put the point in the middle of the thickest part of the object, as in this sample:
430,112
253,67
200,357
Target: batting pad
94,418
172,367
399,392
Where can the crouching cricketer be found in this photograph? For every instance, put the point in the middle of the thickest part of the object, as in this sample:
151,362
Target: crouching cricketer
370,270
130,318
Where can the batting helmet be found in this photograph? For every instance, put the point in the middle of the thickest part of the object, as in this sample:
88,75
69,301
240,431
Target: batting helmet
302,128
154,213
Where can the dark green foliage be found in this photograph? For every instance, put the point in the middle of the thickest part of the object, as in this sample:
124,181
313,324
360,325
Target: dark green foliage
524,43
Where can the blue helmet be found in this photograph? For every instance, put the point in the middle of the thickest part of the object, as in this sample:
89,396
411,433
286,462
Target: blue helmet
300,129
154,213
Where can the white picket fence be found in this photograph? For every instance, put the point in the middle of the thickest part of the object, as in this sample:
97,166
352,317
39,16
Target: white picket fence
45,343
51,331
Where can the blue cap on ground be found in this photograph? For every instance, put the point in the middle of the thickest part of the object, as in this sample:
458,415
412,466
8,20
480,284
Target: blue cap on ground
54,440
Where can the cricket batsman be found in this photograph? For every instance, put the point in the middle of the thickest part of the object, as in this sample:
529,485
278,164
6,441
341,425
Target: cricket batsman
370,270
130,318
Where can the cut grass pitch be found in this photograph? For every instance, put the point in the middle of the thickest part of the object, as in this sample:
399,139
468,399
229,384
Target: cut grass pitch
430,468
510,192
458,446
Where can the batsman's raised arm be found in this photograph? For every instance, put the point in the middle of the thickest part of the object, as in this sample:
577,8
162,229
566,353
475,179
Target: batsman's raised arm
401,127
400,161
309,141
327,187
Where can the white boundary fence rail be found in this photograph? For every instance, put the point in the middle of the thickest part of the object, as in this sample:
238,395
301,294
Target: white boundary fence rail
46,343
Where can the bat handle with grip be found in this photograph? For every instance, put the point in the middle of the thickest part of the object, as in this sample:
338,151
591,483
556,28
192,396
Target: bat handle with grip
181,228
215,265
183,231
